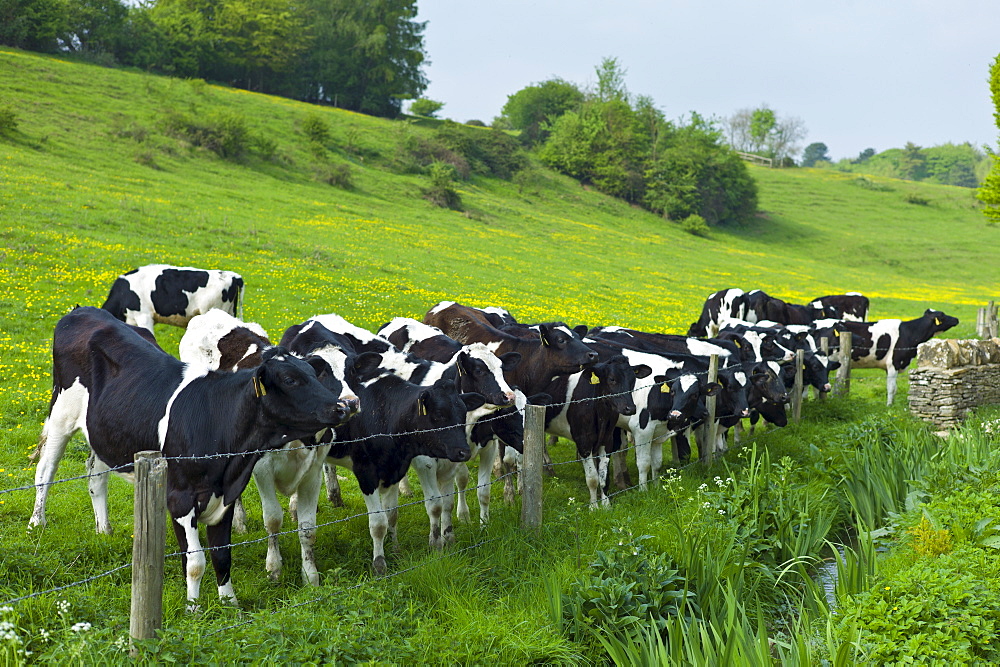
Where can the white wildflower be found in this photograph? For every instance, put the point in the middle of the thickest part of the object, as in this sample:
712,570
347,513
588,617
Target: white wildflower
82,626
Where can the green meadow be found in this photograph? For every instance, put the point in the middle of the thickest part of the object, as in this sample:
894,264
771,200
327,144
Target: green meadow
93,183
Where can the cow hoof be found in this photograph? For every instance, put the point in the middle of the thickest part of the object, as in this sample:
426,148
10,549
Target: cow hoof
310,578
336,500
274,575
193,608
549,469
378,565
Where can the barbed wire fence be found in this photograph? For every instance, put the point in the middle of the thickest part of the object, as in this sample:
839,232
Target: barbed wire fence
150,513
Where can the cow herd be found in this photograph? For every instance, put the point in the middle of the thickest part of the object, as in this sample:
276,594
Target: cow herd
429,395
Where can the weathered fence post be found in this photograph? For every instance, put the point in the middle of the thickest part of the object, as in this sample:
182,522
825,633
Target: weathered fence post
710,435
148,546
824,346
842,385
531,468
797,391
991,320
981,323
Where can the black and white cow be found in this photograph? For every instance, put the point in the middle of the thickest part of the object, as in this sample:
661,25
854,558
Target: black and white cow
892,344
586,407
400,420
850,307
727,304
763,306
173,294
127,396
219,340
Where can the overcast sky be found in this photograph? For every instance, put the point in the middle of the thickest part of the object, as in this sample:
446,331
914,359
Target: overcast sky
859,74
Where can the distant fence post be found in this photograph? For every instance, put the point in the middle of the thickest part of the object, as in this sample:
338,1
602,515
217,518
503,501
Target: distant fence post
824,347
531,467
842,385
991,320
148,546
709,431
797,391
981,323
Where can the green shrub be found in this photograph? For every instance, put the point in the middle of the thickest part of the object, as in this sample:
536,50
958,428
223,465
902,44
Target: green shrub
695,224
425,107
917,200
441,193
626,589
8,119
338,175
935,611
869,184
316,128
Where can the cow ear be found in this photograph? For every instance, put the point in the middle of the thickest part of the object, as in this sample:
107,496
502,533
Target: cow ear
581,330
257,380
543,334
366,364
473,401
422,403
642,370
594,379
510,360
463,357
319,365
540,399
712,388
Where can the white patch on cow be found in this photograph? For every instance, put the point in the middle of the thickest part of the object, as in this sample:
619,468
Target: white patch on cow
214,511
195,556
337,359
740,377
200,343
441,306
701,348
565,330
614,329
493,346
251,350
191,373
397,364
559,425
416,331
687,381
68,415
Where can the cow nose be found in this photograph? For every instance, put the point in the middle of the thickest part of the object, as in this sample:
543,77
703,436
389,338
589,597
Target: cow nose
592,356
783,399
827,387
509,396
459,456
675,414
629,410
745,413
352,403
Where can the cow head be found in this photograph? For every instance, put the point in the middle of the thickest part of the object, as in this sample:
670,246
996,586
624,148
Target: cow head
290,393
480,371
941,322
440,420
567,351
615,380
732,401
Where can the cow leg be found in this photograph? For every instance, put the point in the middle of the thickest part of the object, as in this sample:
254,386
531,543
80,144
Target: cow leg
603,462
192,557
890,383
590,471
643,443
97,485
378,526
655,457
426,468
239,517
273,516
332,485
484,480
461,486
65,417
404,487
446,481
307,501
546,458
511,480
219,538
390,499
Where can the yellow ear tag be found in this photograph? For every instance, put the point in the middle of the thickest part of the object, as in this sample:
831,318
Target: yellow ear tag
422,408
664,388
836,334
594,379
258,387
937,322
459,367
737,343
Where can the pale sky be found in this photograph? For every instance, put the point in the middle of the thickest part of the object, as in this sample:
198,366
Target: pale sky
859,74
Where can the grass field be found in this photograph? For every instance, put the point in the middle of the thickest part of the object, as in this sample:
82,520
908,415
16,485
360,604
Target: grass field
91,185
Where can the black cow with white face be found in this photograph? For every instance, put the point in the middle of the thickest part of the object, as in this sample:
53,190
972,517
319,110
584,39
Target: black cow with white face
128,396
173,294
892,344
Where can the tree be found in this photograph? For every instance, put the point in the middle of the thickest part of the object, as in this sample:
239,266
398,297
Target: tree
912,163
367,55
95,27
425,107
815,152
762,132
864,156
989,191
533,108
34,25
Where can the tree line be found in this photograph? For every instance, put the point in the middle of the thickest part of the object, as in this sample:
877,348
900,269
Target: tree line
362,55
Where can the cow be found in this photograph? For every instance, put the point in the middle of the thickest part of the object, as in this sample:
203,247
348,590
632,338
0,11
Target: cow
727,304
220,341
850,307
400,420
173,294
550,349
763,306
586,407
127,395
892,344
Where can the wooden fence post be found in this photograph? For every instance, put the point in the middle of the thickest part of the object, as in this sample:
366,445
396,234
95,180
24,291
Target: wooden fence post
991,320
798,389
824,346
531,467
981,323
148,546
842,385
709,429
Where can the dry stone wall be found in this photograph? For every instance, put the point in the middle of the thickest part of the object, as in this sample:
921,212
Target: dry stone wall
953,376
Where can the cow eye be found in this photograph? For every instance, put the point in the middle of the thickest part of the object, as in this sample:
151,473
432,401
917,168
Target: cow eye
289,381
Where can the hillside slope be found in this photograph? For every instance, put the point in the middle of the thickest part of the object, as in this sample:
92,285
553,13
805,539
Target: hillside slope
93,186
